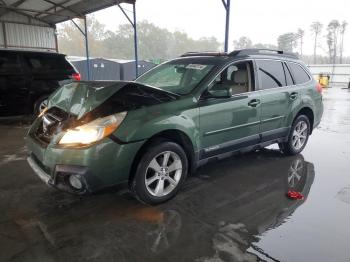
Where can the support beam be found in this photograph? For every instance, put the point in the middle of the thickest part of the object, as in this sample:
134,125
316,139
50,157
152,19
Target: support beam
78,27
135,41
134,25
87,48
56,38
30,17
227,6
64,7
84,32
14,5
4,34
52,8
36,12
126,15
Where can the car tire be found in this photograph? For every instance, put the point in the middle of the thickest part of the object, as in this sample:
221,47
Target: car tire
298,136
161,171
39,105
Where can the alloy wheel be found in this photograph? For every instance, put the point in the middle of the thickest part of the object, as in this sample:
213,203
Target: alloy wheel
300,134
42,105
163,173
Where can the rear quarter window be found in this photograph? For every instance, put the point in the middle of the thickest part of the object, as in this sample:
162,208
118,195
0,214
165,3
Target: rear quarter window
299,74
52,63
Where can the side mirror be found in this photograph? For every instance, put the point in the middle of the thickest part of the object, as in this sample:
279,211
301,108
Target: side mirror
218,93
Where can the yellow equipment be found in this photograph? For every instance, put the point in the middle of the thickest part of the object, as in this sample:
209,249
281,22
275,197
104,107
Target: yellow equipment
323,79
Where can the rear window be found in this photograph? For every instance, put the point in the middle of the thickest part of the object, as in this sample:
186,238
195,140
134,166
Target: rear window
271,74
299,74
41,63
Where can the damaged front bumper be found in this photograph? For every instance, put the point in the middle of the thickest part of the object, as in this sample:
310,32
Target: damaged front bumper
101,165
60,178
40,173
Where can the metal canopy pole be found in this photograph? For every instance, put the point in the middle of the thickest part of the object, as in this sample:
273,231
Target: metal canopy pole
87,48
227,5
135,41
134,25
85,34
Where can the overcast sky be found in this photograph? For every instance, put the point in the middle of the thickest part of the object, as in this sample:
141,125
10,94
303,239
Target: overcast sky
261,21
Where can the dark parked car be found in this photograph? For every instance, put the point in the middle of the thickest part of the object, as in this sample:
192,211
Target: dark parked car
27,78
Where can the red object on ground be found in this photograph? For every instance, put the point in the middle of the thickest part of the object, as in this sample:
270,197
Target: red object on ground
295,195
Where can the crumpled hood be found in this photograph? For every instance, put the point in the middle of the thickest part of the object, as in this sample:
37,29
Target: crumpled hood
78,98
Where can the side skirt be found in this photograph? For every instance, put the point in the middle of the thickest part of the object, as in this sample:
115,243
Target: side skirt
241,146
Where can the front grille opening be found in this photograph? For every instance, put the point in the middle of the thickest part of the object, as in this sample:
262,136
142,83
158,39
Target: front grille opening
50,124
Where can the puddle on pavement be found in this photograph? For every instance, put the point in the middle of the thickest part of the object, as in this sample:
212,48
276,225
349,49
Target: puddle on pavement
344,195
232,210
231,205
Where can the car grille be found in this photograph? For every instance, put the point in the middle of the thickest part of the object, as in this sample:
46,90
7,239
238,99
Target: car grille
50,124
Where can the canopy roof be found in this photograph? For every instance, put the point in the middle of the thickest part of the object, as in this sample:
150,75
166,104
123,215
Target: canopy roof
56,11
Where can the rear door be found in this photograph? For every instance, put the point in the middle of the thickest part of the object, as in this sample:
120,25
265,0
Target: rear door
13,85
279,96
46,70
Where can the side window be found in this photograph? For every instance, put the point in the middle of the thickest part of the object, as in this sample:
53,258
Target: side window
40,63
9,63
289,78
271,74
238,78
300,76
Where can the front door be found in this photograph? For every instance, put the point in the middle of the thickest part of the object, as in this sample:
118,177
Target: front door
231,122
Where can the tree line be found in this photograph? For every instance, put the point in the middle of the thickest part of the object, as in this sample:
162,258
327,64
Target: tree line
294,42
153,42
157,43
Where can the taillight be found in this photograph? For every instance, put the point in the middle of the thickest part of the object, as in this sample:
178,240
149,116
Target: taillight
76,76
319,88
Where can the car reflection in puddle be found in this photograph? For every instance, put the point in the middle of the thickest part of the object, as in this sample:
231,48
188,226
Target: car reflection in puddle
220,215
252,200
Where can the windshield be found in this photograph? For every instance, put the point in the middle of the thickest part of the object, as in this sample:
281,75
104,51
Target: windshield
176,77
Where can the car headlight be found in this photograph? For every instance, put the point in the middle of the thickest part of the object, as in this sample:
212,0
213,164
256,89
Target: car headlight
93,131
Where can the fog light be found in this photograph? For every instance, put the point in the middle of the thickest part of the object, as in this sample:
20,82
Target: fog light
75,182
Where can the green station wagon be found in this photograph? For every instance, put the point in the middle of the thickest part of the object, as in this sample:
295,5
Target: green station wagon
153,132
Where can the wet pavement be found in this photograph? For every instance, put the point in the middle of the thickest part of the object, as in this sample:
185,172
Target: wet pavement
236,209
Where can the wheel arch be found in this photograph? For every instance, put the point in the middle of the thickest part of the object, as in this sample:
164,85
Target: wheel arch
307,111
173,135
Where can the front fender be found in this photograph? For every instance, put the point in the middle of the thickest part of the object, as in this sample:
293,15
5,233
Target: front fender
145,123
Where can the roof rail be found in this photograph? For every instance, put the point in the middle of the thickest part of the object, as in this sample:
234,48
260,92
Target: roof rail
204,54
258,51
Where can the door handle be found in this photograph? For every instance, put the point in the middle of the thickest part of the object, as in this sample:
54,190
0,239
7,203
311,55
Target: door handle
254,103
293,95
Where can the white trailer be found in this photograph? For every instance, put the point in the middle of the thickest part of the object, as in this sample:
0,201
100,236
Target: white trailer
339,73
